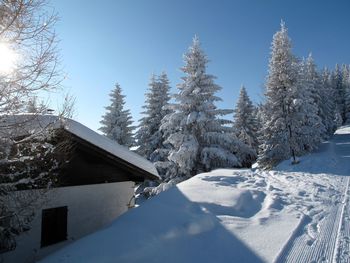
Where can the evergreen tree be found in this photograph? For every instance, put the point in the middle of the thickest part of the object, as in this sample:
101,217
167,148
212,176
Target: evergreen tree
245,122
34,107
339,93
312,129
327,103
346,85
347,104
312,81
199,139
116,123
280,128
149,137
292,124
259,116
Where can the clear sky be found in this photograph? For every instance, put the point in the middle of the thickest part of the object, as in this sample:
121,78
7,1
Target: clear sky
125,41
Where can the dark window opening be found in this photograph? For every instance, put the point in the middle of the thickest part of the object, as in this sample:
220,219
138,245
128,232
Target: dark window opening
53,225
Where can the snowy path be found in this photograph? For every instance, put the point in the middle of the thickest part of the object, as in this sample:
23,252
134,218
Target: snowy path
328,241
324,235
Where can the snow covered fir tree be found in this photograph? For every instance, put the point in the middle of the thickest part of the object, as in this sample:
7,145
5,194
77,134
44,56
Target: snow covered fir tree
299,111
347,99
33,106
199,138
282,80
117,122
149,136
339,92
327,105
307,106
245,124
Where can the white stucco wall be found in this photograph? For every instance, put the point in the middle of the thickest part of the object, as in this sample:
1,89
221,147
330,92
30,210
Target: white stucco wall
90,207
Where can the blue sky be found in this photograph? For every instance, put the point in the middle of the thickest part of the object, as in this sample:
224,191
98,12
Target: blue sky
125,41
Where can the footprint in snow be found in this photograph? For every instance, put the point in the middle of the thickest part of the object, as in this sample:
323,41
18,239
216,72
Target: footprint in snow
261,183
309,242
272,188
302,193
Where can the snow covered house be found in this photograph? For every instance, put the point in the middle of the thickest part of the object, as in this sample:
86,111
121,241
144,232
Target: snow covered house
93,188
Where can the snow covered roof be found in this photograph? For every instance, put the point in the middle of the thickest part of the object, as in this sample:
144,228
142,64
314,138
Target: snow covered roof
29,124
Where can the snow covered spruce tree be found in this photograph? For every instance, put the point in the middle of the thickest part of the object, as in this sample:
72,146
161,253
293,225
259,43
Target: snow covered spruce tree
327,105
259,115
199,138
346,85
281,80
149,137
339,94
290,114
33,106
347,104
116,123
313,129
245,124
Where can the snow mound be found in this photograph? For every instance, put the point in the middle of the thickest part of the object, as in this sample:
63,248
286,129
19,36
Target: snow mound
220,201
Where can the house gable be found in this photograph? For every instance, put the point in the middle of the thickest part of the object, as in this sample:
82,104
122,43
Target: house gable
89,164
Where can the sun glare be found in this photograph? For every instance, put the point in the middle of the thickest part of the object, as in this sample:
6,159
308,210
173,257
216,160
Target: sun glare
8,59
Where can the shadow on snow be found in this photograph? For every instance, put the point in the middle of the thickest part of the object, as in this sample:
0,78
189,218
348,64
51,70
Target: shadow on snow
167,228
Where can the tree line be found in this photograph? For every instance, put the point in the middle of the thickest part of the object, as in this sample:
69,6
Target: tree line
185,133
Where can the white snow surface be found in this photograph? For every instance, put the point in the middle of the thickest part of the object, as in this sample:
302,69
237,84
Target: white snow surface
294,213
32,123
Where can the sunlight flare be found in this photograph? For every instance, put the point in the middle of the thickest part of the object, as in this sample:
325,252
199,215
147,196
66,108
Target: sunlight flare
8,59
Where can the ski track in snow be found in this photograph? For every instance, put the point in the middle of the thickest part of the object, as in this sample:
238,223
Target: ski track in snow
324,236
343,244
328,244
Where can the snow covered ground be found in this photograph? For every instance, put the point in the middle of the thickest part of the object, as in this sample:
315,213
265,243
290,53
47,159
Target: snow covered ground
294,213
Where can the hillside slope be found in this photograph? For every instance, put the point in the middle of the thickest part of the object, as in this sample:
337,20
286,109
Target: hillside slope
294,213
